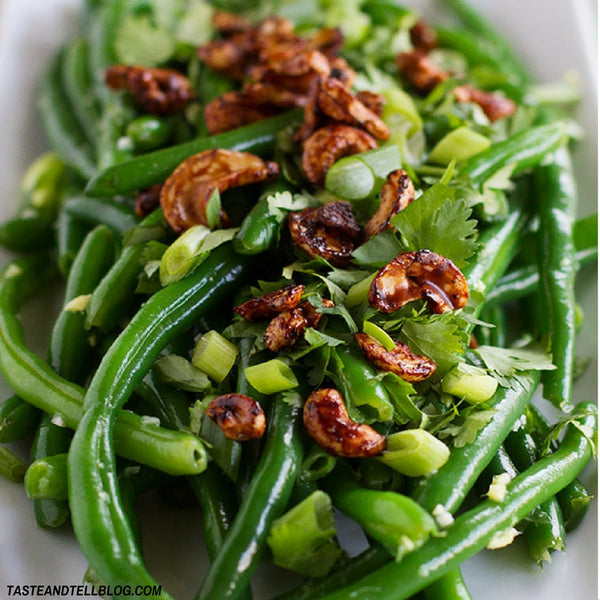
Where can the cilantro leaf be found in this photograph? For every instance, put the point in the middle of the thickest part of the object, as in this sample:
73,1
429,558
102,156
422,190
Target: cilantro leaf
379,250
506,363
442,338
438,222
464,430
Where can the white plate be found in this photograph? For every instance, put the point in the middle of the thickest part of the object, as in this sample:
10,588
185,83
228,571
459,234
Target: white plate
553,36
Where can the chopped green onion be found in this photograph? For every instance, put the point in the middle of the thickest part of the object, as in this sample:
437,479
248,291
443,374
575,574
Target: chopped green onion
47,478
11,466
349,178
400,104
182,255
361,175
471,383
414,452
181,373
379,334
271,376
303,539
214,355
459,144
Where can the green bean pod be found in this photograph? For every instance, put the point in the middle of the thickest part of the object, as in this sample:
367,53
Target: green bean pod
556,192
98,519
63,132
523,150
35,381
260,228
95,211
154,167
264,500
449,485
18,419
474,529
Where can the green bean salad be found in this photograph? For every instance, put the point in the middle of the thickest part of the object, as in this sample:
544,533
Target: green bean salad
317,263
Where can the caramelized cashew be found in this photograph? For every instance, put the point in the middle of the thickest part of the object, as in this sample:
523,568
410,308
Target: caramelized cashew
420,71
148,200
329,231
289,326
327,422
187,191
340,104
238,416
419,275
495,106
401,360
272,303
397,193
157,91
234,109
423,36
330,143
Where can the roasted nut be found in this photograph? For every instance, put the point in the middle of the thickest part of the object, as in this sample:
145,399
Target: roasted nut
289,326
227,23
229,56
423,36
329,231
396,194
148,200
330,143
234,109
239,417
157,91
327,422
342,71
272,303
341,105
495,106
271,95
419,275
420,71
284,330
328,40
187,191
371,100
401,360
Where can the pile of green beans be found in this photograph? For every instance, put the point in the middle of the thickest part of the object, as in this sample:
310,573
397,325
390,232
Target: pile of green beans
118,406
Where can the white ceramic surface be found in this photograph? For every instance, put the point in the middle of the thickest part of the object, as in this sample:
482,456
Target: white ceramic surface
553,36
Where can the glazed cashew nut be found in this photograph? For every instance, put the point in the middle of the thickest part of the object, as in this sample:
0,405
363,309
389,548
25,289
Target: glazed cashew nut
187,191
330,143
397,193
272,303
401,360
238,416
327,422
419,275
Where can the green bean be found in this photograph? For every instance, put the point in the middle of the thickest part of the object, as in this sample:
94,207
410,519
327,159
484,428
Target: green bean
154,167
69,352
574,500
36,382
46,478
62,131
264,500
115,112
260,228
474,529
70,233
18,419
523,150
545,529
449,485
496,42
555,187
78,88
450,586
11,466
26,234
95,211
98,519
